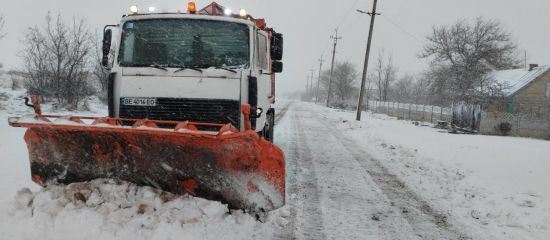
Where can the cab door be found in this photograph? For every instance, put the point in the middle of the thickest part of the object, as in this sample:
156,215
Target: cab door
262,76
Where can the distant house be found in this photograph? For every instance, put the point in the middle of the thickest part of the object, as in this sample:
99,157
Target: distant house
525,110
526,90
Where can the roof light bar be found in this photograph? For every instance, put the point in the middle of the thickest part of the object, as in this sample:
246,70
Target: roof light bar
134,9
228,12
243,13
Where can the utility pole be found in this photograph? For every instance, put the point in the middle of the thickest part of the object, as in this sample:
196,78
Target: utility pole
308,87
319,78
365,67
311,84
307,83
336,38
525,59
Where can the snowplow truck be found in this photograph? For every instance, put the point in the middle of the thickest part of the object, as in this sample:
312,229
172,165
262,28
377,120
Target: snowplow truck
190,99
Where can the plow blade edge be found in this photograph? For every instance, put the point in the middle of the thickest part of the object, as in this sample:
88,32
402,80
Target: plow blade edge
237,168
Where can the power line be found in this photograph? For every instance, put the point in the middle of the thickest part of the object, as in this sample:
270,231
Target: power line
403,29
327,46
347,14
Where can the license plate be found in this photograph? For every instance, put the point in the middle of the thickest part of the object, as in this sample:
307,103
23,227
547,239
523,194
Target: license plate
146,102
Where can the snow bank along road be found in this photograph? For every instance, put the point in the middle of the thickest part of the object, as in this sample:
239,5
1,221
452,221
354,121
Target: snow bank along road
376,179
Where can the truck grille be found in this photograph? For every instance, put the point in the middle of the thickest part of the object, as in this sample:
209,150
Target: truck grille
194,110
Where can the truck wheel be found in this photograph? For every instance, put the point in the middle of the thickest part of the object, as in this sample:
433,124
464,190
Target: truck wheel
268,132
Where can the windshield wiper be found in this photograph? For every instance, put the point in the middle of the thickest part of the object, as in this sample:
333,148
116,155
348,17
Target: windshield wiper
184,68
226,69
157,67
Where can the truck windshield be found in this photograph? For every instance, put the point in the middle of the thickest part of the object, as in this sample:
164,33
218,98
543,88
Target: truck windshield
184,43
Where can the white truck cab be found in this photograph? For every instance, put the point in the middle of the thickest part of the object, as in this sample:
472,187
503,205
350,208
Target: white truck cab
193,67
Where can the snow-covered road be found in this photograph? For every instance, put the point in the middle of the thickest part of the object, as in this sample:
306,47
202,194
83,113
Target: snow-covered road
382,178
338,191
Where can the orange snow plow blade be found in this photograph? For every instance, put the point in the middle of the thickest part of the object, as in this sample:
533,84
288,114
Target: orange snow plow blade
237,168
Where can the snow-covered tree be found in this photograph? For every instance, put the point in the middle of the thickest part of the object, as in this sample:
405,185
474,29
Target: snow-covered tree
463,53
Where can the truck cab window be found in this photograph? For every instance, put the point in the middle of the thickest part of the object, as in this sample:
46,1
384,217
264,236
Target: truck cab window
261,56
129,47
185,43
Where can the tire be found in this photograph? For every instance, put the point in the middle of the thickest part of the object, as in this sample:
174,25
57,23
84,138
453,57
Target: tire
269,129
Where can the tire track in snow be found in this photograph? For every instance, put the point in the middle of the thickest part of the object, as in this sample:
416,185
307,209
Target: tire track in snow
341,201
425,220
353,207
281,113
306,217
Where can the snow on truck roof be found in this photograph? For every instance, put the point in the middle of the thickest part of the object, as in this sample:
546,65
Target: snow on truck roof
516,79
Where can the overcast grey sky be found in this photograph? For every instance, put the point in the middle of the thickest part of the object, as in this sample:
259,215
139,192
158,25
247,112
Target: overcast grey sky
308,24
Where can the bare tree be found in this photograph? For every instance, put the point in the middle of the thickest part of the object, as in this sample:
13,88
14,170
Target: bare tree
99,72
463,53
2,24
385,73
343,82
2,35
403,89
56,59
345,76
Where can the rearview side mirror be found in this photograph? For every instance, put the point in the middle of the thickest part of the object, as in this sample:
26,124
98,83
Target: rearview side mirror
107,36
277,67
277,46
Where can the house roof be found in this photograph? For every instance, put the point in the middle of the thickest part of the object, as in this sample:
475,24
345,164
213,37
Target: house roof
516,79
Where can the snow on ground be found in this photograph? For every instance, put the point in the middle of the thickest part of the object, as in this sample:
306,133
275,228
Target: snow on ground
104,209
493,187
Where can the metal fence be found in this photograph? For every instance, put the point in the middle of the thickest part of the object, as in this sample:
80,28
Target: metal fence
532,121
526,120
414,112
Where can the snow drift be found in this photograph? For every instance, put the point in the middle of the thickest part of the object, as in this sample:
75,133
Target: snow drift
109,209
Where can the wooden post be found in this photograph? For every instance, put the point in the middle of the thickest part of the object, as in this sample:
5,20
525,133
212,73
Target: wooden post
423,112
416,111
432,115
398,109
